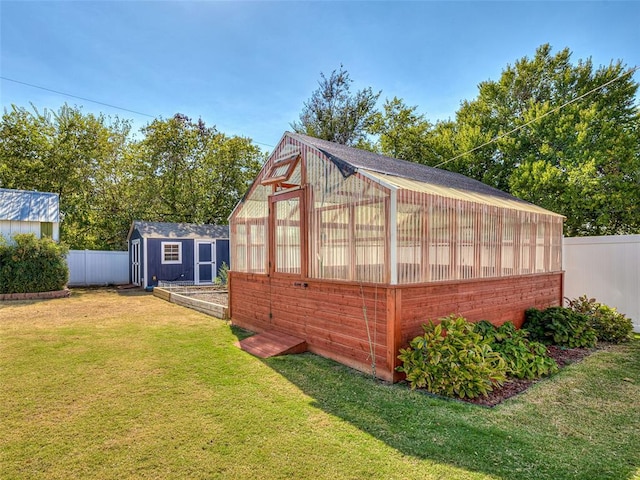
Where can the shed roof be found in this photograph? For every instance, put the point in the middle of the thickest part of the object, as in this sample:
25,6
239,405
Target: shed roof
349,160
27,206
179,230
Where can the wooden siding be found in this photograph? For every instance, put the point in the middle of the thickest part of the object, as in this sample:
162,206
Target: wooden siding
498,300
330,316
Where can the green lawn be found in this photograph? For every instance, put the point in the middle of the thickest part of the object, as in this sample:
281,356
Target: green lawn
107,385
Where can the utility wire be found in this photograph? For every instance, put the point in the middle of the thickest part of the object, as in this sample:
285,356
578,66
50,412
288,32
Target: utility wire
502,135
76,96
95,101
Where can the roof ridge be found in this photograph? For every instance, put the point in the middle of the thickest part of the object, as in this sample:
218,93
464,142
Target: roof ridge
349,159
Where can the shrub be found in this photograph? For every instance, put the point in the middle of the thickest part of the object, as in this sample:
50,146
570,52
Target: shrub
560,326
223,275
524,358
609,324
452,359
30,264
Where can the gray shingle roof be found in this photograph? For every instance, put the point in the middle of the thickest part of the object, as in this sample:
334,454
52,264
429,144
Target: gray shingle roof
349,160
26,206
180,230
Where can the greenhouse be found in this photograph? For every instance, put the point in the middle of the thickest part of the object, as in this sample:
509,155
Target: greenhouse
352,251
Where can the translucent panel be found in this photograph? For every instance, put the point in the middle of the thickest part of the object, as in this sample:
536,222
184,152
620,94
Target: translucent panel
348,233
437,233
466,241
491,242
443,238
249,233
527,244
370,236
556,245
287,236
509,252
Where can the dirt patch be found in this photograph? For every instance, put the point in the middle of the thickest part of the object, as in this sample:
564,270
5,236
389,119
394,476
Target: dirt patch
212,297
562,356
212,294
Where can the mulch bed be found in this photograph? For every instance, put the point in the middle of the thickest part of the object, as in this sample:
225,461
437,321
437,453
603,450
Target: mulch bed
36,295
562,356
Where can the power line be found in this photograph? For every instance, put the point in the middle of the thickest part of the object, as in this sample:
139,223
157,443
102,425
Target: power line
76,96
95,101
502,135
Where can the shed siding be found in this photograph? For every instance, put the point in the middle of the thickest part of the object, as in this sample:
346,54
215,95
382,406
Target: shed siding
171,272
9,228
222,253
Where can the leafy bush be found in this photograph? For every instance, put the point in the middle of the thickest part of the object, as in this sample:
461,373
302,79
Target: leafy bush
524,358
223,275
452,359
609,324
560,326
32,265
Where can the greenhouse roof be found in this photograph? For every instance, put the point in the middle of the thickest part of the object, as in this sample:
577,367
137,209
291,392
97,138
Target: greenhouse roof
415,176
349,160
449,192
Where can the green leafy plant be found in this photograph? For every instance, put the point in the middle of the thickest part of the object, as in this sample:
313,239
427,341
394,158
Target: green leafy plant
451,359
223,275
29,264
524,358
609,324
560,326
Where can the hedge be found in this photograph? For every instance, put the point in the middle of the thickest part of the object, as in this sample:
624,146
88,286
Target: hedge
29,264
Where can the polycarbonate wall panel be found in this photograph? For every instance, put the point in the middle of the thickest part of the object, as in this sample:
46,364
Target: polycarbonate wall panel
287,236
249,233
348,234
443,238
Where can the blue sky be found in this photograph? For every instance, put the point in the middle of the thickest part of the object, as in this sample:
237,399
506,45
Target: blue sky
247,67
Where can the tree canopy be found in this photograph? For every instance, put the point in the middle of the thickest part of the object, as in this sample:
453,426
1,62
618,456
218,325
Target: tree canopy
561,134
334,113
568,139
179,171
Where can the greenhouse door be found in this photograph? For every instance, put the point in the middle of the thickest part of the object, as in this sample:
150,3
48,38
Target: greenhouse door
205,262
287,234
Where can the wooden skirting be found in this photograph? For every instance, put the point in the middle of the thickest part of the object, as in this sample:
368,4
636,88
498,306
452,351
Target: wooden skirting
364,326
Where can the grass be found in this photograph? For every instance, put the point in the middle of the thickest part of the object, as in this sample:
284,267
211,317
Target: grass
108,385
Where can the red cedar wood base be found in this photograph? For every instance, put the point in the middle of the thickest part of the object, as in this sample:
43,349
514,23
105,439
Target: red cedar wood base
337,319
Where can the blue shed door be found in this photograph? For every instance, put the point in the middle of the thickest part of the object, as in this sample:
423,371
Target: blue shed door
205,261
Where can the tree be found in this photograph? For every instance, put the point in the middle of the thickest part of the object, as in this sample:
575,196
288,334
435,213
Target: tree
180,171
579,158
333,113
403,133
193,173
64,152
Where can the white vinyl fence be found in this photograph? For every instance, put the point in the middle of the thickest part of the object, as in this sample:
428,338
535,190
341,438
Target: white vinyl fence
607,268
95,267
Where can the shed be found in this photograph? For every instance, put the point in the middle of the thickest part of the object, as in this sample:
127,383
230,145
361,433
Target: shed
23,211
176,252
352,252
